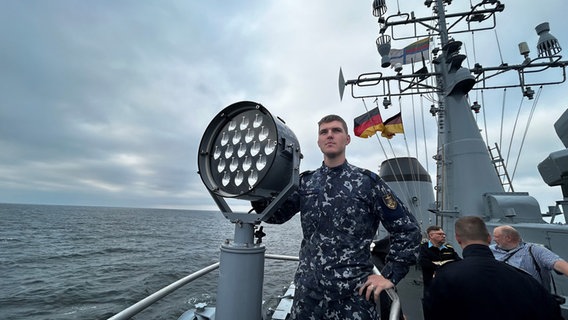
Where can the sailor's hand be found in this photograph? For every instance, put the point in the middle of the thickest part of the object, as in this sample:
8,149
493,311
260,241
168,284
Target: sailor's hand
259,205
374,285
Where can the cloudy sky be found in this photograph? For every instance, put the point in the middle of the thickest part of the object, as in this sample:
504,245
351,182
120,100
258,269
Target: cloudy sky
104,102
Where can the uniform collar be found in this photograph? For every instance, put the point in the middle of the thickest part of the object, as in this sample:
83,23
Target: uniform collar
337,168
430,245
521,244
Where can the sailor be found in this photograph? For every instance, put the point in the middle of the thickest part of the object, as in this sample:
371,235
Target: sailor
481,287
341,208
434,252
532,258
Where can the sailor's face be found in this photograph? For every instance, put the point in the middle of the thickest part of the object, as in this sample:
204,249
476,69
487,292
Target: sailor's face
437,237
332,138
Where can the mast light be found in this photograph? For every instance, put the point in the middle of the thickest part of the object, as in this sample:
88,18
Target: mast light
379,7
384,46
547,44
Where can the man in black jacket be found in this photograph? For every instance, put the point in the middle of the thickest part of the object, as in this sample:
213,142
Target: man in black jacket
434,253
480,287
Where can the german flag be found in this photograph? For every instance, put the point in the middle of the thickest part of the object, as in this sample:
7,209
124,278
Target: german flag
368,123
392,125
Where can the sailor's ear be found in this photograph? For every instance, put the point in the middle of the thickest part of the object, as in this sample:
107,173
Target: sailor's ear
458,240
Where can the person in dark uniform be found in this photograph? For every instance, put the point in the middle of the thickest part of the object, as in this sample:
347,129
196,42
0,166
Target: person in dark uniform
481,287
341,208
434,253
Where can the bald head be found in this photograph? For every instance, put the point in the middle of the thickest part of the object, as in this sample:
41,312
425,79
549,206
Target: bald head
506,237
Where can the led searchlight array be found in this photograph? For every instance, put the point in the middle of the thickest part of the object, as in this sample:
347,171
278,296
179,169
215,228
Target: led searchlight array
243,152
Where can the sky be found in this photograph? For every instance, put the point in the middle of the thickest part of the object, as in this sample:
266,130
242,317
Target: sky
104,103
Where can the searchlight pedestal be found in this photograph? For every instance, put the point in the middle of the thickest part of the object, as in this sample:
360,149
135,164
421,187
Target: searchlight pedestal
246,154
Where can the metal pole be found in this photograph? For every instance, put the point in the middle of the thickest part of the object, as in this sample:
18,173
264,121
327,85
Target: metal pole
395,306
241,275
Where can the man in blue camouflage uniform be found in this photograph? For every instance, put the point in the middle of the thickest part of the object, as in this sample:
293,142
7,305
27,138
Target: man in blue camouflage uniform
341,207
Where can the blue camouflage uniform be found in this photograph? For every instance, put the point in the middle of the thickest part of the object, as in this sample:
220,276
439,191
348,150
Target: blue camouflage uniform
341,209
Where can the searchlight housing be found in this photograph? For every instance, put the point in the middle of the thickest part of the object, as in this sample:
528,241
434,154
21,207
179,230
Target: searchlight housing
248,154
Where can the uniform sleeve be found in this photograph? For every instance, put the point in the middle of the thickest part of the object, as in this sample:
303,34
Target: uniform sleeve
287,210
424,259
546,258
291,206
404,233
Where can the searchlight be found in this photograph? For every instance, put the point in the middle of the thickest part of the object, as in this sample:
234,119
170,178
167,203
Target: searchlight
246,154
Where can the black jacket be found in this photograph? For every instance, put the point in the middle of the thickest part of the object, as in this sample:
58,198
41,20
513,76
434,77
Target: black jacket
480,287
428,255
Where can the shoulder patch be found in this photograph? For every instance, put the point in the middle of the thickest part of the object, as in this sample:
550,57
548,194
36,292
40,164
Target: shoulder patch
390,201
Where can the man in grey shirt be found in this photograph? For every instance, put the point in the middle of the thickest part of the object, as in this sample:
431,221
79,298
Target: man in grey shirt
535,259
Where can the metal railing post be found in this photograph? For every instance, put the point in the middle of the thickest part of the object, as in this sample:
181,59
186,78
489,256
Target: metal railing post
395,306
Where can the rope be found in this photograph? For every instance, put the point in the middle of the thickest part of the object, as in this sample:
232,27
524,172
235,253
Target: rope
380,143
526,130
414,121
407,192
499,46
413,172
502,117
424,133
484,117
514,129
469,67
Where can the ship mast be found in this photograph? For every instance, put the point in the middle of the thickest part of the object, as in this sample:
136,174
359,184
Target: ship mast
465,170
467,182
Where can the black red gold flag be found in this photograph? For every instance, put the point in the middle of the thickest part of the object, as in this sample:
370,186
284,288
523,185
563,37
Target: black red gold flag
392,125
368,123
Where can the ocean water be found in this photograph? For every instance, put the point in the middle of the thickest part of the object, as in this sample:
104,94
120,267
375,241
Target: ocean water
70,262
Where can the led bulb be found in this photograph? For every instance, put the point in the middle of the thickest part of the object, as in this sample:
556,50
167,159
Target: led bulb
257,121
244,123
270,147
261,162
242,150
239,178
263,133
249,136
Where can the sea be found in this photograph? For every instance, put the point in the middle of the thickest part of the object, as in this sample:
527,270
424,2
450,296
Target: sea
75,262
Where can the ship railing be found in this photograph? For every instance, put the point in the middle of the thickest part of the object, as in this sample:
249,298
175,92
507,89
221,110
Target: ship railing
395,306
160,294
